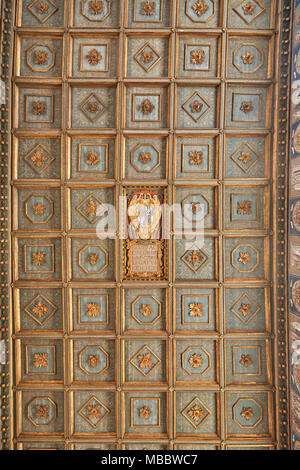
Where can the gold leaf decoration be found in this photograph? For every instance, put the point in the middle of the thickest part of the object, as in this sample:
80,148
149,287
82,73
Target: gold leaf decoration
145,361
245,309
196,413
247,413
148,8
246,107
40,57
40,360
248,58
39,209
39,108
195,310
249,8
93,310
38,158
92,158
246,360
196,106
40,309
196,157
195,258
200,7
41,411
93,360
197,56
94,411
93,258
96,7
39,258
196,360
146,310
244,258
146,107
145,412
94,57
244,208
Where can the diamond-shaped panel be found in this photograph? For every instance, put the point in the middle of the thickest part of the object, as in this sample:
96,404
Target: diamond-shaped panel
145,360
92,209
195,259
196,413
93,107
249,10
196,106
245,157
93,411
39,159
245,309
147,57
42,10
40,309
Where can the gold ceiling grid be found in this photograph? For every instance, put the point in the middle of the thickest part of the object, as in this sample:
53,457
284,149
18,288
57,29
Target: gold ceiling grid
168,97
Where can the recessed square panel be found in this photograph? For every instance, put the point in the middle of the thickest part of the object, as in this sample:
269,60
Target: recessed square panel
198,208
197,56
196,158
148,14
94,107
91,258
94,57
247,107
95,14
248,362
194,263
42,361
145,157
245,207
145,310
89,208
93,412
39,108
145,412
196,107
41,57
196,310
198,14
147,56
146,106
248,58
93,362
38,209
246,309
39,309
249,413
245,258
93,311
144,362
251,14
46,13
92,158
42,412
196,414
196,361
246,156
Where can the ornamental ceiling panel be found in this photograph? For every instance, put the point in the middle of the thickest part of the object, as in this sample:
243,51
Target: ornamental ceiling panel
145,222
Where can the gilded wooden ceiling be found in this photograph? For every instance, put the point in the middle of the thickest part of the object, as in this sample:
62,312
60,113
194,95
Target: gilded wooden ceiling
138,335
